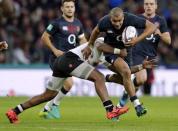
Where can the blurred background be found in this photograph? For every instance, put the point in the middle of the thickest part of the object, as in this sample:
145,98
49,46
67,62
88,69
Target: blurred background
26,50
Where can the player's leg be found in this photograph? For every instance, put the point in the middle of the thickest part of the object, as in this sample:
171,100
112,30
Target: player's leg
51,109
49,94
138,80
123,69
86,71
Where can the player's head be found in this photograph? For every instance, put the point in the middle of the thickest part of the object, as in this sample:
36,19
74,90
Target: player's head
150,7
7,8
68,8
116,17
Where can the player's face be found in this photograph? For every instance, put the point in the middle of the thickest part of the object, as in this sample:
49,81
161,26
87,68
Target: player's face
117,21
68,9
150,6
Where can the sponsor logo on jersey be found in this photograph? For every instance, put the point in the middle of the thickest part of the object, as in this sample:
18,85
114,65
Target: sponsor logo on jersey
65,28
109,31
50,27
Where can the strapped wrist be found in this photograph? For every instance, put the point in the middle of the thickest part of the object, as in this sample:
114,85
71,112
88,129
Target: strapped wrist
140,67
117,51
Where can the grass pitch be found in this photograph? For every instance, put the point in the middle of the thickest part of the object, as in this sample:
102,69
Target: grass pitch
87,114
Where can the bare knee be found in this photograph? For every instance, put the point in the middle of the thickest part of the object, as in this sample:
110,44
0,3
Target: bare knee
140,80
126,73
97,76
68,83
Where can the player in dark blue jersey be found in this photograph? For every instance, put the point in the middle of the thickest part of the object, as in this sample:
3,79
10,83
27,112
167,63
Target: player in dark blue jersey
60,36
148,46
113,25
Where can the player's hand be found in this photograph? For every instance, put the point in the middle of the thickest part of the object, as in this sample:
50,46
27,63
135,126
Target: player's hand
123,53
58,53
86,52
132,42
3,45
157,32
147,64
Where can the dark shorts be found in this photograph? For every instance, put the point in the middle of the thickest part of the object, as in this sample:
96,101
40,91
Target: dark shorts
138,58
112,57
65,64
70,64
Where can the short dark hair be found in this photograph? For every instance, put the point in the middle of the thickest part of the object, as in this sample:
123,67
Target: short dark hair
116,11
156,1
63,1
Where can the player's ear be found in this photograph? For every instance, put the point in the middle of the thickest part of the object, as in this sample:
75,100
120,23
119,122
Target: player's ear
62,9
156,5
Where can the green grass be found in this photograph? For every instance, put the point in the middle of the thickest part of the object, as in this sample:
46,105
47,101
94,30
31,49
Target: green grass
87,114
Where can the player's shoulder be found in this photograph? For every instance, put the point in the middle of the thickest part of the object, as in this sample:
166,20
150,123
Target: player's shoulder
128,14
77,21
105,18
159,17
57,20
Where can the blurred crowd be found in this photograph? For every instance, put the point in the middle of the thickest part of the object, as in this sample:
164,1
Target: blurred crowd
24,31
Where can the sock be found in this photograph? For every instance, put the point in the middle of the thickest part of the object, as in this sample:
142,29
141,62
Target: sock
18,109
107,78
135,101
64,91
135,82
59,96
108,105
48,105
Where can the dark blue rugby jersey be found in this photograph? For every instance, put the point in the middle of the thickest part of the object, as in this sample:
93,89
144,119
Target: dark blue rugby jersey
65,34
114,36
148,46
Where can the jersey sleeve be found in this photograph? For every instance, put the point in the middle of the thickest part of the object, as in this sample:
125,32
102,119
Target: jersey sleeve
163,26
136,21
52,28
81,32
102,24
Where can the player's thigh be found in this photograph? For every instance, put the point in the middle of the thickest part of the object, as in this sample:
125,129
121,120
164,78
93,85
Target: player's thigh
55,84
95,75
83,70
121,67
68,83
141,76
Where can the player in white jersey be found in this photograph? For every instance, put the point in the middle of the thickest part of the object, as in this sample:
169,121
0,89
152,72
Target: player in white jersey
69,64
96,58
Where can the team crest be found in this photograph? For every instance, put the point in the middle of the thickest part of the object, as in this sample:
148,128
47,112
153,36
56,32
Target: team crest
109,31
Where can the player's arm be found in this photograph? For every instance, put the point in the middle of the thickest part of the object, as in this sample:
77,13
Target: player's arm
87,50
149,29
109,49
147,64
141,23
3,45
95,33
82,39
46,38
166,38
163,32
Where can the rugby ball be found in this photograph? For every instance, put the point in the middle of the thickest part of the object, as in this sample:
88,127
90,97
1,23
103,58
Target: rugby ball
129,33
